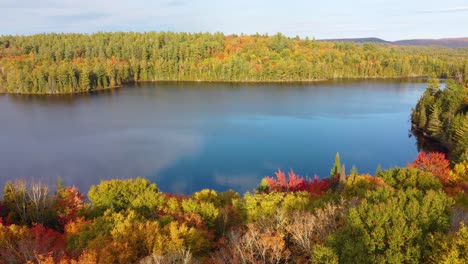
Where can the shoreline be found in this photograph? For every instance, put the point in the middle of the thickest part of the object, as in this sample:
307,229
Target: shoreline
436,145
3,92
68,93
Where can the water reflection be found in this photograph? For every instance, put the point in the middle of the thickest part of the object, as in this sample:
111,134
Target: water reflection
188,136
242,181
426,144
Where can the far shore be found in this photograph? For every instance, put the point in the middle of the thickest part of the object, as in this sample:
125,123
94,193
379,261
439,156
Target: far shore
2,91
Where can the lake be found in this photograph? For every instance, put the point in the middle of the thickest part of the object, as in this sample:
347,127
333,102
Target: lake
186,136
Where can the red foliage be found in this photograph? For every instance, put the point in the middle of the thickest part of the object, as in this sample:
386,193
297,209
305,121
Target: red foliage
456,189
317,187
3,213
178,196
31,245
2,208
281,183
433,162
47,241
296,183
69,202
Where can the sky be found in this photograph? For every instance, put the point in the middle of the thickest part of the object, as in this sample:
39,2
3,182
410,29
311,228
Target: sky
320,19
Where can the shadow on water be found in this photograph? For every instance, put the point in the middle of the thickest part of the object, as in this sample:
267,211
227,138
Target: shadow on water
426,144
61,99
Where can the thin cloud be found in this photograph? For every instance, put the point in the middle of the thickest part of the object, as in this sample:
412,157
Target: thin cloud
447,10
23,4
176,3
79,17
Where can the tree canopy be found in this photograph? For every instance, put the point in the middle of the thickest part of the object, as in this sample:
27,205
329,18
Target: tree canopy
401,215
68,63
442,116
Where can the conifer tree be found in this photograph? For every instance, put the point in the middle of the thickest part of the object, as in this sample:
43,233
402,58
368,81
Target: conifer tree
433,84
336,166
378,171
342,180
434,125
422,120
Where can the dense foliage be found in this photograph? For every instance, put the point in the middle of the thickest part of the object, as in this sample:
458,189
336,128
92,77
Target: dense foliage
401,215
442,116
67,63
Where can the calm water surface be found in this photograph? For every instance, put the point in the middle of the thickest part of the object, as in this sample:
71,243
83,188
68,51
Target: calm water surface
190,136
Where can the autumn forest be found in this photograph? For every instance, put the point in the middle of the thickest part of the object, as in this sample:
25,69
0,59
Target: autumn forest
401,215
69,63
416,213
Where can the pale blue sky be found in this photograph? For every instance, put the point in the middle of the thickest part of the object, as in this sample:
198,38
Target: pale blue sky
390,20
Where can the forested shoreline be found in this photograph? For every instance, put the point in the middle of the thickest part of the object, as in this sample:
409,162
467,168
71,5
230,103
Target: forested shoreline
70,63
442,116
413,214
416,214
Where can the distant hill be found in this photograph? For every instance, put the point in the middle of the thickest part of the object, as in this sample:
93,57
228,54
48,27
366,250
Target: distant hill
358,40
445,42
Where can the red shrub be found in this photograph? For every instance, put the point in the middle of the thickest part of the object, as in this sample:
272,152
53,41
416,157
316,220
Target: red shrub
296,183
433,162
317,187
281,183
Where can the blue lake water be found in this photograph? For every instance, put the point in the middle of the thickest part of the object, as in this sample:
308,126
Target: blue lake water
188,136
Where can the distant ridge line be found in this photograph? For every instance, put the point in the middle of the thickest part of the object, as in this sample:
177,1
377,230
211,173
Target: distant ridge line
444,42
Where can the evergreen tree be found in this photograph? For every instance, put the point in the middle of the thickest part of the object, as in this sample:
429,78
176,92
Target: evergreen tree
336,166
342,180
447,121
422,120
85,82
434,125
433,84
378,171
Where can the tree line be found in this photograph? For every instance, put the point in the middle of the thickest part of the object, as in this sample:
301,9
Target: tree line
68,63
416,214
442,115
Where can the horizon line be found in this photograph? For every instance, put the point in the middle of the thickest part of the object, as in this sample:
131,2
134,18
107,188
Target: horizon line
266,34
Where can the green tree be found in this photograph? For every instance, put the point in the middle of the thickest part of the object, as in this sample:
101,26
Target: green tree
391,226
434,125
408,178
354,170
342,179
85,82
449,248
433,84
336,169
422,120
117,195
446,121
378,171
264,205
